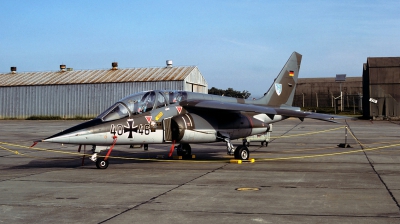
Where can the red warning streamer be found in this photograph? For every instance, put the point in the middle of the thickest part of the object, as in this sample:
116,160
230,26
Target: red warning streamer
172,148
34,143
111,148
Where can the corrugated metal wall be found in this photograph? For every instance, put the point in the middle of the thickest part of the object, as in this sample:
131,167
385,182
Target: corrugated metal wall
68,101
195,82
381,77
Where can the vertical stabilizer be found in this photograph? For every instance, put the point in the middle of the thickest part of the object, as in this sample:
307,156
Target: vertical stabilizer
281,93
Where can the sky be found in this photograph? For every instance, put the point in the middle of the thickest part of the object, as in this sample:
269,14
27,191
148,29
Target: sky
235,44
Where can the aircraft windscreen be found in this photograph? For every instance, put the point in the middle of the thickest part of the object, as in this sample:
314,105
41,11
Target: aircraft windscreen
176,96
140,102
160,100
117,111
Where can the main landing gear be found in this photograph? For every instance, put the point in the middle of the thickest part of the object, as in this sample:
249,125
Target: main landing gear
184,149
241,152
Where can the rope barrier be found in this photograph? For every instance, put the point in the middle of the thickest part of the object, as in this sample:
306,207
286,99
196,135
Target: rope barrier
309,133
218,160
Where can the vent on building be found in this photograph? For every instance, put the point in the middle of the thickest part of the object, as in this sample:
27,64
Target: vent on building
169,63
63,68
13,70
114,66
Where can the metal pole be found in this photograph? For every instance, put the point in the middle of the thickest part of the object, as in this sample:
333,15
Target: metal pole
341,98
335,105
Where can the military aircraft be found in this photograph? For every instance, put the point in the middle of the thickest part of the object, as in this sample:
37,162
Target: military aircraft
162,116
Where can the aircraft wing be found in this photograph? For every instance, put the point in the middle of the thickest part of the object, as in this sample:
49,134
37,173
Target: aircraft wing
218,105
270,111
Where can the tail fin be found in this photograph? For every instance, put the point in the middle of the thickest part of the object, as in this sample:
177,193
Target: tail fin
281,93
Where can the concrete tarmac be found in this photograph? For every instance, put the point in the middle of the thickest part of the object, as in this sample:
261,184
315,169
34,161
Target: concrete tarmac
301,177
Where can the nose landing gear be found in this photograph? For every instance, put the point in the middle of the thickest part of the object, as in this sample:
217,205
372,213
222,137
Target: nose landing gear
101,163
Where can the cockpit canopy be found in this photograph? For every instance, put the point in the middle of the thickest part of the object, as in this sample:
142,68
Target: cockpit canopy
140,103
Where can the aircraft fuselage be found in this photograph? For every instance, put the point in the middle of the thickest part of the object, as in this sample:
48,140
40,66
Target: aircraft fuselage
167,121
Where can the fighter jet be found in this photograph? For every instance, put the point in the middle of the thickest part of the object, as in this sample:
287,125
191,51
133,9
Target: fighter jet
181,117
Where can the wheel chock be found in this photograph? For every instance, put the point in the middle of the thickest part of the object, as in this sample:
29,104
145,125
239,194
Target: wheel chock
185,157
191,157
238,161
249,161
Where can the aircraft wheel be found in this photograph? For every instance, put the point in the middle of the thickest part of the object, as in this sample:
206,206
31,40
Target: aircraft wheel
242,152
184,149
266,143
101,163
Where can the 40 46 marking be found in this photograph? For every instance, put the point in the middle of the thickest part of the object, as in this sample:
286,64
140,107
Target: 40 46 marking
120,129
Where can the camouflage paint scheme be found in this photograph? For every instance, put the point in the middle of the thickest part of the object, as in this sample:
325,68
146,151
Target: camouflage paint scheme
157,116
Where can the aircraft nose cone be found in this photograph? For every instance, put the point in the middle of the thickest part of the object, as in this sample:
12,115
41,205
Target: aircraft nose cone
65,136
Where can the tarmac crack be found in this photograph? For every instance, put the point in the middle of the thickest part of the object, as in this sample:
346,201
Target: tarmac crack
375,171
162,194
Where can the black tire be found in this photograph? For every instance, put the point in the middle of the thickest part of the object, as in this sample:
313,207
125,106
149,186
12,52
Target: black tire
184,149
101,163
242,153
262,143
266,144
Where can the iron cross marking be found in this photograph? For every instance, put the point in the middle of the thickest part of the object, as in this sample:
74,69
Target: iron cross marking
130,127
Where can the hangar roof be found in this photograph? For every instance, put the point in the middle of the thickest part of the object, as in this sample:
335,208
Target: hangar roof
96,76
380,62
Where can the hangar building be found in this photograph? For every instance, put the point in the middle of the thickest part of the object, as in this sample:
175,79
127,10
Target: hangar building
381,81
325,93
86,93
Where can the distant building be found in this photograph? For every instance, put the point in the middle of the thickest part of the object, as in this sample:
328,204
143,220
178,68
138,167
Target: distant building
325,93
381,81
68,93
